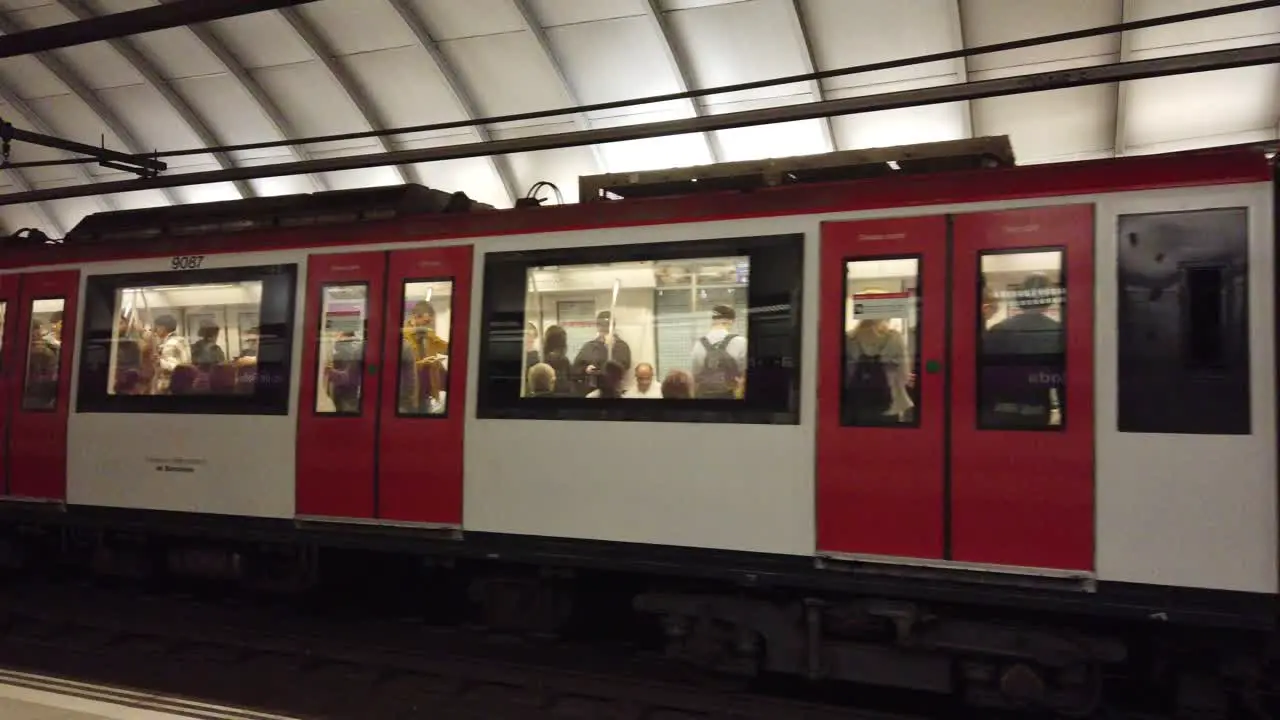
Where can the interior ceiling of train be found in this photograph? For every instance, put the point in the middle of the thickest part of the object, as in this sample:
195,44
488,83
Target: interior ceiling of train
337,66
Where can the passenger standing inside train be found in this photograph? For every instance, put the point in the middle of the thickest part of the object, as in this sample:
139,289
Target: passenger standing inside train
173,351
1024,361
645,387
424,363
877,374
531,355
344,373
719,358
206,350
40,388
605,346
54,336
555,353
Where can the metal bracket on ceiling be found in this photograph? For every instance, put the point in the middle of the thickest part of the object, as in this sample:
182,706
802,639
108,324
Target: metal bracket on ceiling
139,165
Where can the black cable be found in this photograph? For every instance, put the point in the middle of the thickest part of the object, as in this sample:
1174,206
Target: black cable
692,94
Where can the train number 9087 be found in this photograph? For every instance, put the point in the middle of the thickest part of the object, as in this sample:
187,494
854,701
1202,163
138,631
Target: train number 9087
186,262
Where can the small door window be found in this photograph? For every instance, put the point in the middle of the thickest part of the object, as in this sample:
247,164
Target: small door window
1022,353
340,348
426,322
44,355
881,339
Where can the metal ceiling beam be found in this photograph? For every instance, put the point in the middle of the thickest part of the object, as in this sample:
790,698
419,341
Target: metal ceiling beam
581,119
675,59
132,22
500,165
272,112
1017,85
1122,88
809,59
19,107
353,90
72,80
962,65
180,106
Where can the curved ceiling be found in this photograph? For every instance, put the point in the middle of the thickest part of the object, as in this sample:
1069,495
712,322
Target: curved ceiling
336,66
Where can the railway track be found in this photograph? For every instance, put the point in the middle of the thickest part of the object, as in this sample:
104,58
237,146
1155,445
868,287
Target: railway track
278,661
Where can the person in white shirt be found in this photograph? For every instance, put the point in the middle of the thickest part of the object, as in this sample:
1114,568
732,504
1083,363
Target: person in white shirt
645,387
174,351
719,358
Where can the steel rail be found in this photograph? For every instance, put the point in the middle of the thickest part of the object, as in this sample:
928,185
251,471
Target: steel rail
958,54
1036,82
133,22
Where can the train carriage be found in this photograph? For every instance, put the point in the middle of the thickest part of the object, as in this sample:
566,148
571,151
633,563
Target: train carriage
1142,492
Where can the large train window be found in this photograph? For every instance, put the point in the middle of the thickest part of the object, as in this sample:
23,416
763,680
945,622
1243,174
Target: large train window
1182,322
881,342
344,321
196,341
44,354
425,323
702,331
1022,352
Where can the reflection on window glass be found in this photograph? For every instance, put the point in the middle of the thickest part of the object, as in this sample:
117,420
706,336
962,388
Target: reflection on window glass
674,329
424,348
44,355
340,348
1022,345
881,342
199,339
4,307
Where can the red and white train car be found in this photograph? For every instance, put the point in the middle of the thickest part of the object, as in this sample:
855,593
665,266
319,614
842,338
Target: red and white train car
1146,496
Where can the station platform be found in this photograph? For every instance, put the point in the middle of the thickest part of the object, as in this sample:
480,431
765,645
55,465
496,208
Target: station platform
25,696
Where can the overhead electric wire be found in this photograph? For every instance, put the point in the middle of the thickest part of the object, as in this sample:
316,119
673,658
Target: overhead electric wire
1036,82
720,90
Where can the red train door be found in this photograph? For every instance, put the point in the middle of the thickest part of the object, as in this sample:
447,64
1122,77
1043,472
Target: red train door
338,403
384,378
423,405
40,385
9,363
987,457
880,475
1022,479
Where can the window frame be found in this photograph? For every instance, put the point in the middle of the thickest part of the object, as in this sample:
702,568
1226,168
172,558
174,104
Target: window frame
776,287
980,330
399,334
915,354
320,360
26,357
277,311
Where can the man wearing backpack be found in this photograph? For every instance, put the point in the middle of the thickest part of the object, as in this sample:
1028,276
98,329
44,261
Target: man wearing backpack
719,359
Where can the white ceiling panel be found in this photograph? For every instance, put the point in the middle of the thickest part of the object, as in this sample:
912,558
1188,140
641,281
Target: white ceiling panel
473,176
286,185
905,126
857,32
21,4
368,177
69,118
406,87
1058,123
147,115
1226,102
615,60
177,53
139,199
453,20
993,21
740,42
27,152
1240,25
553,13
224,105
16,217
673,5
214,192
72,210
655,153
768,141
313,103
561,167
358,26
29,78
262,40
506,74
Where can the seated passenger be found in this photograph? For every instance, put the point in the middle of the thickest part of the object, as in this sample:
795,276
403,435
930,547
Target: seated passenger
424,363
605,346
645,388
555,352
542,381
609,381
183,380
877,371
206,350
719,358
678,385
